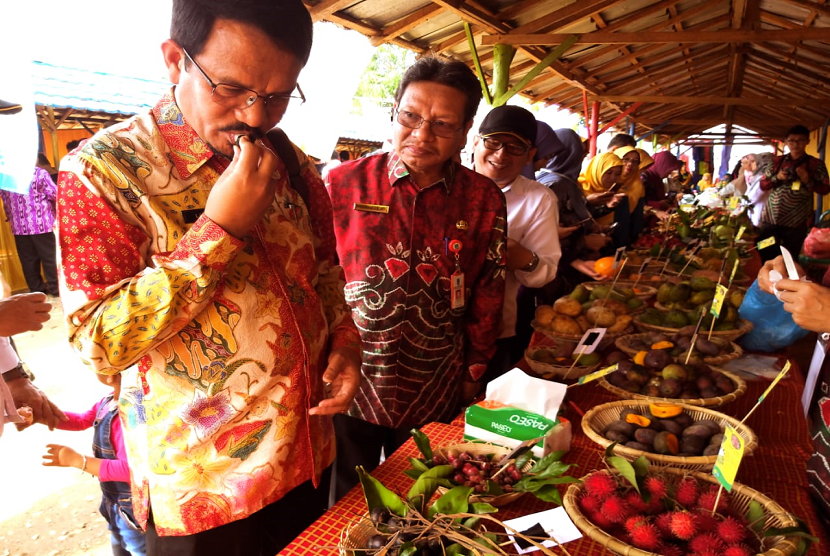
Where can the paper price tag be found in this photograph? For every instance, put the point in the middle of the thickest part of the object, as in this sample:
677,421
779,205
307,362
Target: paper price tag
775,381
729,458
734,271
740,233
766,243
598,374
733,202
717,302
590,341
644,265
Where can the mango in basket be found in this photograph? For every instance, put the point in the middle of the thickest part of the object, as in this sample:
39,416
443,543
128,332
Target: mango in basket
587,360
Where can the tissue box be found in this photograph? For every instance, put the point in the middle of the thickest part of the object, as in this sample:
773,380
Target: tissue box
505,425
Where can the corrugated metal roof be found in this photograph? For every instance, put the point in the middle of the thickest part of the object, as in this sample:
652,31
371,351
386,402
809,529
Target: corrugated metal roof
63,87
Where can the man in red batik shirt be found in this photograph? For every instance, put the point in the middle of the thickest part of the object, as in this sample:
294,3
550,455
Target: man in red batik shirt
422,243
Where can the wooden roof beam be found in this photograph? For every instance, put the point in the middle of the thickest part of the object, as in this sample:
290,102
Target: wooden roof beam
324,9
802,65
811,6
673,68
662,25
405,24
662,37
745,17
711,100
564,16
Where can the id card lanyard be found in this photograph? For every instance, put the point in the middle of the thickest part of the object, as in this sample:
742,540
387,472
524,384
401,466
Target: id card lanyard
457,291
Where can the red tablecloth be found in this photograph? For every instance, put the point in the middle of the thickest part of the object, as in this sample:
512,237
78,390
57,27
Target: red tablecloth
777,467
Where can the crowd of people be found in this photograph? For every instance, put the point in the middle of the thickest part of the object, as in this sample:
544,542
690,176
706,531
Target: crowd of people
265,331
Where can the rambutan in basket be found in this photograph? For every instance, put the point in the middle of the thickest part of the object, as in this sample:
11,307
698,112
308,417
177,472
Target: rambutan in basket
486,449
600,416
739,500
740,390
623,343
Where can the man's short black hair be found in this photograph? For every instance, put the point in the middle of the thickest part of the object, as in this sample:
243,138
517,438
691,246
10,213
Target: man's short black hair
71,145
286,22
798,130
344,156
445,72
621,140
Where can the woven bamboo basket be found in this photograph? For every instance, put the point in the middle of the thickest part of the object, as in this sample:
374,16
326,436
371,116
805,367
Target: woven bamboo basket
602,415
550,372
353,538
623,343
573,339
740,390
741,496
744,326
645,291
487,449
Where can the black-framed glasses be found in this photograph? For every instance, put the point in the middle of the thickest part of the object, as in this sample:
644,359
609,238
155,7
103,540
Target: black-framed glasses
234,96
414,121
512,148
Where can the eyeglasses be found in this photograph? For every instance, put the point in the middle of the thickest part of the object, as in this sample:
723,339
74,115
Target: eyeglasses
512,148
414,121
797,140
233,96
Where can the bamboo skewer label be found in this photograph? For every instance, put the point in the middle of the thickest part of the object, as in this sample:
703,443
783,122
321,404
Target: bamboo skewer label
595,375
729,459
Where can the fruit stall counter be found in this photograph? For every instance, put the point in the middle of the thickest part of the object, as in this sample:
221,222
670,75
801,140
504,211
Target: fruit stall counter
776,468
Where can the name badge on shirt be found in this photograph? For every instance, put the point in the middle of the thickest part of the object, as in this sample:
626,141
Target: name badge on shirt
797,185
366,207
457,291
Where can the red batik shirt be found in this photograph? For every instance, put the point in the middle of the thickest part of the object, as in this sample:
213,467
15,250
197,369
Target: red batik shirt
221,342
417,349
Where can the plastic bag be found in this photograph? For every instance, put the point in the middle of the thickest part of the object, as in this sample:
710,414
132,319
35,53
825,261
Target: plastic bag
774,327
817,244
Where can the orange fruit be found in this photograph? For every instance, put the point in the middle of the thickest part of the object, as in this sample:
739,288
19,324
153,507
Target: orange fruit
604,266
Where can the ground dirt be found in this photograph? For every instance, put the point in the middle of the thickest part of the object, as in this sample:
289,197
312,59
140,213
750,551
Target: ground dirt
51,511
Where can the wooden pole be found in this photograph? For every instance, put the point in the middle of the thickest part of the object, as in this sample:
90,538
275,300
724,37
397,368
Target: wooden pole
594,127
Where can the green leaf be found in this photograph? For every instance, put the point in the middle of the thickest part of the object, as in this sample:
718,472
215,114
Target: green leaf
456,549
418,464
378,496
626,470
555,469
640,466
438,472
488,541
790,532
455,501
802,548
471,522
482,508
609,451
412,474
422,491
755,516
422,442
407,549
543,463
493,488
522,460
549,493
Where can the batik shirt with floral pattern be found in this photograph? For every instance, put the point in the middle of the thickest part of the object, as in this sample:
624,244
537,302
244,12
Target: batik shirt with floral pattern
417,349
221,342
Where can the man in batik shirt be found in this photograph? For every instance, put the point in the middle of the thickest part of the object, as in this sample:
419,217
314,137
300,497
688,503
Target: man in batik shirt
192,267
421,239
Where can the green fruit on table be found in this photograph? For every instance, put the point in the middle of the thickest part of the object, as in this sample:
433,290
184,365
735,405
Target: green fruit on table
587,360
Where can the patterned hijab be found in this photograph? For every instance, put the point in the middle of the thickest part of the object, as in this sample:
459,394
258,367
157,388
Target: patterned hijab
591,178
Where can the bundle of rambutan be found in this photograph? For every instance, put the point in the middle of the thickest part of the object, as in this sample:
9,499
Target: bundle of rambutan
673,512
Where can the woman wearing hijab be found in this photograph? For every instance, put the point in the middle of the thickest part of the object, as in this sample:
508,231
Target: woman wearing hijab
598,181
547,145
757,196
664,164
633,188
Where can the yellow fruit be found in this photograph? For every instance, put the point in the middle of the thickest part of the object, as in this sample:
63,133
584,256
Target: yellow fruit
640,358
662,345
544,315
665,410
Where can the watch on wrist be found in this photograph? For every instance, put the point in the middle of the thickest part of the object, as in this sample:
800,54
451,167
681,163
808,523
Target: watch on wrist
534,262
15,373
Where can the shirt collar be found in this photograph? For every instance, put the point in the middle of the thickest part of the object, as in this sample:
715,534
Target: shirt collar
396,170
188,152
